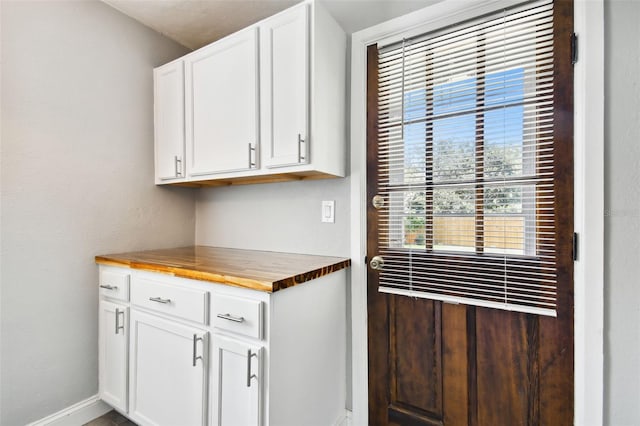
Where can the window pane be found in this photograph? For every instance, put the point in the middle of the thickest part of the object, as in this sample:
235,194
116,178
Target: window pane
510,219
453,219
503,142
414,156
407,151
504,127
407,219
454,148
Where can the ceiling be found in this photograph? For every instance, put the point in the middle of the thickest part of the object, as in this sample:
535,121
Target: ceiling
195,23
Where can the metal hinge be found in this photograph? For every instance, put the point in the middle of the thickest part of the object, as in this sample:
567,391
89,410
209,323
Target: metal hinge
574,49
575,246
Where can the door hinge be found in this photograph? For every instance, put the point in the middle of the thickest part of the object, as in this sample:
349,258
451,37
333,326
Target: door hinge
574,250
574,49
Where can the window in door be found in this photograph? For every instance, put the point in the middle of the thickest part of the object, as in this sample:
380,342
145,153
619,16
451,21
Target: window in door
468,163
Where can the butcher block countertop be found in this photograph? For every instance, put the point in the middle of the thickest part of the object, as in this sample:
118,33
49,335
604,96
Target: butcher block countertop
257,270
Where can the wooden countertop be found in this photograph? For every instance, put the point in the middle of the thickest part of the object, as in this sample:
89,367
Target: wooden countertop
258,270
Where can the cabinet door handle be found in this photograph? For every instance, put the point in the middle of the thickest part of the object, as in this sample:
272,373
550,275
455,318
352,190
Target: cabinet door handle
252,163
178,164
118,326
195,348
160,300
249,375
230,317
301,153
109,287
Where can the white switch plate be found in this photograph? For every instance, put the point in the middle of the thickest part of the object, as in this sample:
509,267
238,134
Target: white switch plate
329,211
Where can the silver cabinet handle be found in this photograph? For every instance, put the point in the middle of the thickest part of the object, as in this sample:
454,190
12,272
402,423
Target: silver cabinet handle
118,326
252,163
160,300
249,375
195,348
109,287
301,153
178,164
230,317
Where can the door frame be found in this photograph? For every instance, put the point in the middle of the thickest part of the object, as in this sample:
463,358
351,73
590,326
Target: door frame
589,205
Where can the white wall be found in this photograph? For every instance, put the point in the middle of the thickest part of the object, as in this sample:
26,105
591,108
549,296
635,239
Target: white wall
275,217
622,212
76,181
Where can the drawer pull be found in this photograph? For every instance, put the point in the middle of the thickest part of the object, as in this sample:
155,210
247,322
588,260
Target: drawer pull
118,326
230,317
249,375
195,348
109,287
160,300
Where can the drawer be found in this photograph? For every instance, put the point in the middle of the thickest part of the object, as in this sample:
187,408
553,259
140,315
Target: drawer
180,302
114,284
238,315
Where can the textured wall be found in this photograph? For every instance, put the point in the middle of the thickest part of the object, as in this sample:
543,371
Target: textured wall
622,212
76,181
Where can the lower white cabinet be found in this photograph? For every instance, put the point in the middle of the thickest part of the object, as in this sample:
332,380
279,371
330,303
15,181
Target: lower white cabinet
238,377
168,377
183,352
113,351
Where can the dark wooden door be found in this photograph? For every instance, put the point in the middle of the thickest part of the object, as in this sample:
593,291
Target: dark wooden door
434,363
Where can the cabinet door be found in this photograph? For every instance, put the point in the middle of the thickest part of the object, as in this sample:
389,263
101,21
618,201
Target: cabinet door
285,87
222,105
169,121
237,383
168,372
113,347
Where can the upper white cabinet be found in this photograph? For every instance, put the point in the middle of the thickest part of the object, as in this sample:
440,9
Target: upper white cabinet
168,88
264,104
285,87
302,90
222,105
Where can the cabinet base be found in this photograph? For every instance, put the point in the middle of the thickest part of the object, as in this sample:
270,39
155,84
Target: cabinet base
249,180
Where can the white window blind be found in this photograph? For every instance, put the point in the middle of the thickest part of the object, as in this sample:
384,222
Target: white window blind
466,163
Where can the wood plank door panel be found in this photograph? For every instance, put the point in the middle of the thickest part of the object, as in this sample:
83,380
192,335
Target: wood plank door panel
460,365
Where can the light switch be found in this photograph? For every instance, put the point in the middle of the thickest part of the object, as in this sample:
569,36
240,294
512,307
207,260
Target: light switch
328,211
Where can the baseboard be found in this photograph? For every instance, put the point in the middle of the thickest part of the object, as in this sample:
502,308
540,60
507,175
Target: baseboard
77,414
345,419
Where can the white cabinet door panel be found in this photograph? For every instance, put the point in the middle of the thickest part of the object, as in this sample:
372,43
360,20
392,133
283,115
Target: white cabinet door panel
222,105
285,87
237,399
169,121
168,377
113,344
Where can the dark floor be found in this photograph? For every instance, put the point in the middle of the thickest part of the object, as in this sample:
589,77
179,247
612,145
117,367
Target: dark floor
112,418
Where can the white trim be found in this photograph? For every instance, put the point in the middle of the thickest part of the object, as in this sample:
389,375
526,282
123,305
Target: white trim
589,212
344,419
589,205
76,414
